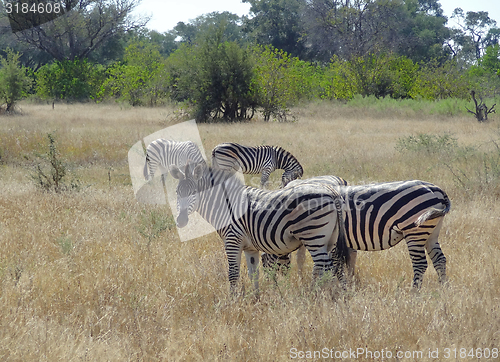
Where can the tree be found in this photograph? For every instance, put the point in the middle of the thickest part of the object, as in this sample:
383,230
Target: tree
280,81
491,59
424,32
199,27
13,80
440,81
70,80
165,42
87,27
481,111
356,28
214,76
475,27
277,23
141,78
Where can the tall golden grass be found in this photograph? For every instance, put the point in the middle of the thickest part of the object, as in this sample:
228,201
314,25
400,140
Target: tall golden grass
84,276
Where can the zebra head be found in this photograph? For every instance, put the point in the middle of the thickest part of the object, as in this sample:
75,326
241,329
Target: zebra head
187,191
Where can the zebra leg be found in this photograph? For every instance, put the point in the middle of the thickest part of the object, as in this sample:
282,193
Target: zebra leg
233,254
253,267
321,258
301,258
436,254
419,261
265,177
352,263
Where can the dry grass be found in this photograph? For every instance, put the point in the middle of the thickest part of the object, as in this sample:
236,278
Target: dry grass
80,281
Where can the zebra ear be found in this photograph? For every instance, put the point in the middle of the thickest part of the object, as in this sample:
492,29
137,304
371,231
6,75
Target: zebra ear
198,171
176,173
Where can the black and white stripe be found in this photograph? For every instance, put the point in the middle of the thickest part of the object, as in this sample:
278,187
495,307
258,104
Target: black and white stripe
379,216
276,222
163,153
256,160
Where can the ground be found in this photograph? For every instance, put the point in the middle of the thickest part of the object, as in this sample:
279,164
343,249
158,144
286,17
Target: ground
90,274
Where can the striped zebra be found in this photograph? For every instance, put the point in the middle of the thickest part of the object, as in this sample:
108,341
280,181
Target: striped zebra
165,153
255,160
282,262
379,216
276,222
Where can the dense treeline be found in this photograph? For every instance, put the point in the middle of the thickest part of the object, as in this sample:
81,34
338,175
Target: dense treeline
221,66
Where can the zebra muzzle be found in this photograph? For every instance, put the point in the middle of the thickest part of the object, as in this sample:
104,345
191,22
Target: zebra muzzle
182,219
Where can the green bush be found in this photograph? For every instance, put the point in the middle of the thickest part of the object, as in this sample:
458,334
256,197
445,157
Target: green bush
435,82
339,81
140,79
281,81
14,82
71,80
213,76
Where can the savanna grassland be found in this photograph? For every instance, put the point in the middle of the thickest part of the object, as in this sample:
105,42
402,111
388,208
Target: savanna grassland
89,274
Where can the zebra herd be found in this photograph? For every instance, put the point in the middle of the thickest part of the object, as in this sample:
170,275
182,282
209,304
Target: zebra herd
324,215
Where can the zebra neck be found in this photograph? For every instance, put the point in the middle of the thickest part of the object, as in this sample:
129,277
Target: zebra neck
222,198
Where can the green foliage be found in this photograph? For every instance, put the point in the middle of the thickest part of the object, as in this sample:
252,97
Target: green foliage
181,68
379,76
280,81
140,79
485,76
225,81
491,59
71,80
439,82
14,81
384,75
214,76
277,23
339,80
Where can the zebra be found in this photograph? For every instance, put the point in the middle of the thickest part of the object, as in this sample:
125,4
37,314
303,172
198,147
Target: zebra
379,216
255,160
276,222
282,262
165,153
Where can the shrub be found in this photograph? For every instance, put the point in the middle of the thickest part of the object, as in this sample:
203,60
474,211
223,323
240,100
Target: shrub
215,77
50,172
71,80
428,143
280,81
339,80
140,79
435,82
14,81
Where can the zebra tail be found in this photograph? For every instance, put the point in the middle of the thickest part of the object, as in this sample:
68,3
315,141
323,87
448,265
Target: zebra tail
341,251
434,212
146,172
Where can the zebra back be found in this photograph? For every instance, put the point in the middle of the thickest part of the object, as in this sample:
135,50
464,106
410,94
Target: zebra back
256,160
